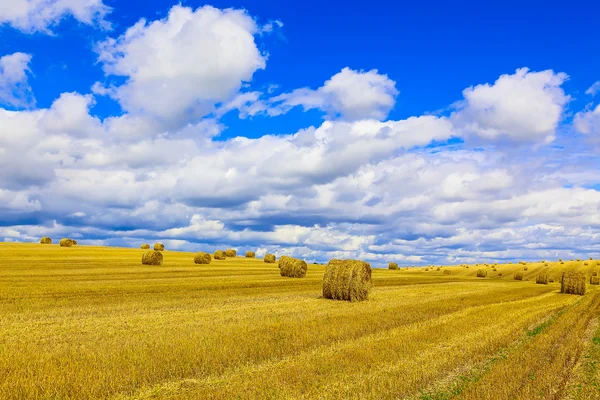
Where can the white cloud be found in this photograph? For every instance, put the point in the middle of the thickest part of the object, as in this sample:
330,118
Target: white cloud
40,15
523,107
595,88
588,122
14,86
180,67
349,94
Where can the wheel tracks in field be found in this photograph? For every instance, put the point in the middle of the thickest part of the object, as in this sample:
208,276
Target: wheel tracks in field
468,383
453,384
174,387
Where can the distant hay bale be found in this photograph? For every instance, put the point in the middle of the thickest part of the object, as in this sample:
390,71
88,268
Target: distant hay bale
543,261
545,264
348,280
270,258
202,258
494,269
560,260
439,268
499,273
595,273
426,269
518,276
585,263
594,280
66,242
525,269
152,258
542,278
551,280
447,272
220,255
392,265
45,240
230,253
250,254
292,267
481,273
578,259
573,282
159,247
145,246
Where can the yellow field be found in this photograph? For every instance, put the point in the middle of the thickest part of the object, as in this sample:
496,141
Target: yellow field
92,322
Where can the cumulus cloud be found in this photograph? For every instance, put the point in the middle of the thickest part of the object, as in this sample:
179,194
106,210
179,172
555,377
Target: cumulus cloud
40,15
588,122
349,94
14,85
178,68
595,88
355,186
522,107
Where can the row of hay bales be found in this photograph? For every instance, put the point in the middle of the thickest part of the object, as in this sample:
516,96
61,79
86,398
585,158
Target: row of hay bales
348,280
64,242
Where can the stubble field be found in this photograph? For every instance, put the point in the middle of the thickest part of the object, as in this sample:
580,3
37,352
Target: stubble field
93,323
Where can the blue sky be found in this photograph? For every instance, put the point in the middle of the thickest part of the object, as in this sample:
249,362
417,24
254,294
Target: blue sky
422,133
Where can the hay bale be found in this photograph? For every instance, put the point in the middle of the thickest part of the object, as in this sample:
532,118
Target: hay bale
439,268
145,246
270,258
202,258
585,263
481,273
551,280
542,279
152,258
525,269
159,247
66,242
45,240
518,276
292,267
250,254
499,273
573,282
220,255
348,280
447,272
594,280
230,253
595,273
393,265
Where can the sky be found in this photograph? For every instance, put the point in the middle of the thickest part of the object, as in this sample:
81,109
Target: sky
421,133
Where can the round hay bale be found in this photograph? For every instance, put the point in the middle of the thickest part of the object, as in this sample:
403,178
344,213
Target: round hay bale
595,273
551,280
230,253
66,242
250,254
573,282
348,280
481,273
145,246
152,258
202,258
392,265
270,258
159,247
292,267
594,280
518,276
447,272
220,255
45,240
542,279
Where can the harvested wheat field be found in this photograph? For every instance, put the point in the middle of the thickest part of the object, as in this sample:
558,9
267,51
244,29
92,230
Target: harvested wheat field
93,323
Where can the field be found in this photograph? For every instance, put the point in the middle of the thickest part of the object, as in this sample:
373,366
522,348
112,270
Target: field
93,323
